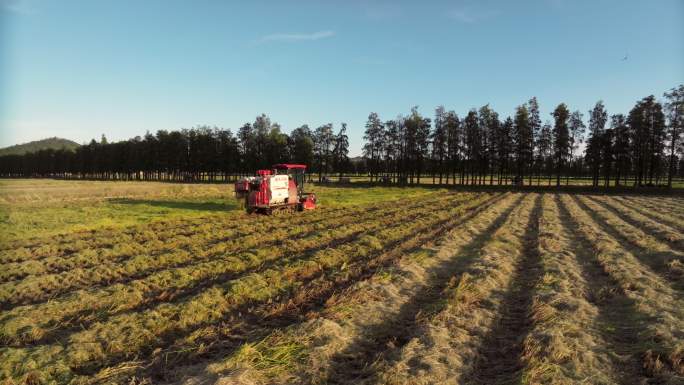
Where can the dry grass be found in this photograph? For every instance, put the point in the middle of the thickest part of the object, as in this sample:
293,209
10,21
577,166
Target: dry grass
564,345
213,252
668,215
448,345
128,333
396,286
661,345
652,252
355,316
659,230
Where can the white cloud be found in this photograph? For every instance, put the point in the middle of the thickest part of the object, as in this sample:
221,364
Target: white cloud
294,37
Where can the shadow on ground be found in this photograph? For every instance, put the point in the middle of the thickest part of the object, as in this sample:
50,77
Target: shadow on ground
184,205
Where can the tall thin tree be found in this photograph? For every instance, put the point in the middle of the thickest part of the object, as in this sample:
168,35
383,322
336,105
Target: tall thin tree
561,138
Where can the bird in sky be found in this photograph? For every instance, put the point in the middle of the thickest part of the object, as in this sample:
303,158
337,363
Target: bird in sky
624,58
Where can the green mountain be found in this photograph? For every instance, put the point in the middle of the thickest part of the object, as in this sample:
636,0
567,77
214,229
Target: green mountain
43,144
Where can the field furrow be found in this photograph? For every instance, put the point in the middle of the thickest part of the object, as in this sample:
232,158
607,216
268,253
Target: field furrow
85,307
362,360
383,312
448,338
377,285
674,203
662,232
501,357
65,244
271,321
619,323
652,253
296,277
565,344
152,244
120,245
39,288
141,332
655,211
652,295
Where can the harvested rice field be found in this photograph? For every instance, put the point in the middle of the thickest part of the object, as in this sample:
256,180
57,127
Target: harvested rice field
152,283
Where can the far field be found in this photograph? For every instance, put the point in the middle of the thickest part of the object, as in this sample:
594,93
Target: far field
133,282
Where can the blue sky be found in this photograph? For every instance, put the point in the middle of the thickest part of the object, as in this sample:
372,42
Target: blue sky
79,69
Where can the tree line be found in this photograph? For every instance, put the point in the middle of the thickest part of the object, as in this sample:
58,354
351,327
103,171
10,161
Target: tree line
198,154
641,148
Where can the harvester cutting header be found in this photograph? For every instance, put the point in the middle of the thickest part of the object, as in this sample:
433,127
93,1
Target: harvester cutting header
274,190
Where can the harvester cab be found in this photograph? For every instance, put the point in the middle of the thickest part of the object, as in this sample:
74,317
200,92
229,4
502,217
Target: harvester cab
275,190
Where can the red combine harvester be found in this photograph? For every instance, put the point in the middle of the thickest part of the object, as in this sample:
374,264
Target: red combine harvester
274,190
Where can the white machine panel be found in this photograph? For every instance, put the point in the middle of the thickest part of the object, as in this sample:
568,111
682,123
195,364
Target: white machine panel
279,185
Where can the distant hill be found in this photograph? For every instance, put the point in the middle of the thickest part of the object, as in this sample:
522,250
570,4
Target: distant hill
43,144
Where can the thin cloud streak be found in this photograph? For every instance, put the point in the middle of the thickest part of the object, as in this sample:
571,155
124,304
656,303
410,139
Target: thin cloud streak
294,37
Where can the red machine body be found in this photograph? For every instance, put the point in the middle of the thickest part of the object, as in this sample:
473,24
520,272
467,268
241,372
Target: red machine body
277,189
